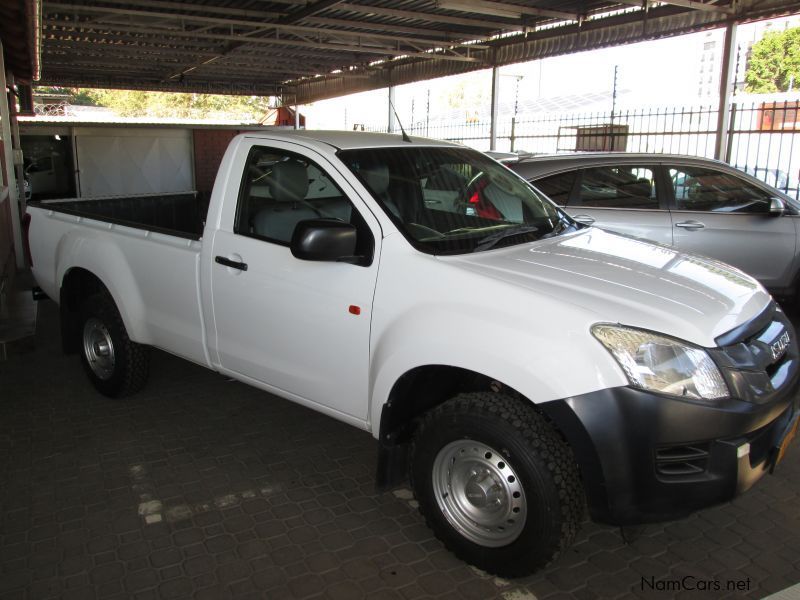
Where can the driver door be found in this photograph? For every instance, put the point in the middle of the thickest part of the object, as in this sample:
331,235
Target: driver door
297,327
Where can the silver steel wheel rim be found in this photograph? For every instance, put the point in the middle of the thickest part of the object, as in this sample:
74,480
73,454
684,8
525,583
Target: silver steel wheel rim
479,493
98,348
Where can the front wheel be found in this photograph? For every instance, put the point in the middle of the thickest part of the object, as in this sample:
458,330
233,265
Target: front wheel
115,365
496,483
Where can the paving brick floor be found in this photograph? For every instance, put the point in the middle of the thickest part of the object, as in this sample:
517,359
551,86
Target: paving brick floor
206,488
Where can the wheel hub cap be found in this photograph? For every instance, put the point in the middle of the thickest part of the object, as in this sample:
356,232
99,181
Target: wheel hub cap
483,491
479,493
98,348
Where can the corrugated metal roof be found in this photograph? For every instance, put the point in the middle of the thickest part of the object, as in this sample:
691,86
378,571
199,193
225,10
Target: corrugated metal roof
19,32
304,51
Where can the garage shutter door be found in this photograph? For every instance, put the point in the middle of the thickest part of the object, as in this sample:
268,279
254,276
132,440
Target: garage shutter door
114,162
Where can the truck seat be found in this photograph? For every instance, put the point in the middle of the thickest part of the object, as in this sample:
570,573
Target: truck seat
377,179
288,186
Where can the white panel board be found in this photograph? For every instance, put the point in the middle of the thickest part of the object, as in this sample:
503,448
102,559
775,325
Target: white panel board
117,162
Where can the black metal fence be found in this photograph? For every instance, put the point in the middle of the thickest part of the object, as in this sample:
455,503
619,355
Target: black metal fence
763,137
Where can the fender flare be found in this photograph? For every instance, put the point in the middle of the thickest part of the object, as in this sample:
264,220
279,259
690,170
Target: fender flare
106,261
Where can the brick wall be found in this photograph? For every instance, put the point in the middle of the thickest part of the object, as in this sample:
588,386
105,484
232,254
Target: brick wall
209,146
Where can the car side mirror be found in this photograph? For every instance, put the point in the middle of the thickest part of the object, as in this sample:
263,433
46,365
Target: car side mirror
324,240
776,207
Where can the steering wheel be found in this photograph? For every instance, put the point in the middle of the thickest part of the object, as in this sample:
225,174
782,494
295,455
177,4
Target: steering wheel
460,203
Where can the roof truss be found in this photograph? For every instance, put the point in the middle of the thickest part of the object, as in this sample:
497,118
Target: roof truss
306,50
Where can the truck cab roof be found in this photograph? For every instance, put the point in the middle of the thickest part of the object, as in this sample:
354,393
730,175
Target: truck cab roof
346,140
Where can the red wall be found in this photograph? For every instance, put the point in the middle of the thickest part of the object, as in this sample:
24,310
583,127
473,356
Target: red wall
209,146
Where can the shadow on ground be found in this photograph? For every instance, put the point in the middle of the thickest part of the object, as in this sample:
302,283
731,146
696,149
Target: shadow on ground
206,488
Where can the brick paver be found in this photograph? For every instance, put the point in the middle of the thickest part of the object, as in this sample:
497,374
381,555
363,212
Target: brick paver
206,488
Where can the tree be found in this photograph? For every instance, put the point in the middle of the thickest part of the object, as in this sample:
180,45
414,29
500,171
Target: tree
774,62
74,96
134,103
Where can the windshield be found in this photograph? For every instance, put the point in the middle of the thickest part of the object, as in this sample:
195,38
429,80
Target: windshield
454,200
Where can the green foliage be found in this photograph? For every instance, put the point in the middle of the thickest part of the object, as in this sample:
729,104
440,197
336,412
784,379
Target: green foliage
134,103
774,62
73,96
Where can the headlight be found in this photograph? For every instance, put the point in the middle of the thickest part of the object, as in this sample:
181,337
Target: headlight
660,364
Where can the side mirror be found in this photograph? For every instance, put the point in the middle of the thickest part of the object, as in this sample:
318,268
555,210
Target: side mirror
324,240
776,207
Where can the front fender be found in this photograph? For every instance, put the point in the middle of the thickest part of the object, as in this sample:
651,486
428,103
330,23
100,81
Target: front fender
542,363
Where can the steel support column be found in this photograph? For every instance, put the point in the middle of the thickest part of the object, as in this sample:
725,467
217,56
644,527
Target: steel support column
390,127
495,101
8,158
725,92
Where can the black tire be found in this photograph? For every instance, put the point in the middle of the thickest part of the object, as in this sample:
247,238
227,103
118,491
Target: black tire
551,492
127,371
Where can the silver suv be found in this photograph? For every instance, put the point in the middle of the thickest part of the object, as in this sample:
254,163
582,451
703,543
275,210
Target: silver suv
694,204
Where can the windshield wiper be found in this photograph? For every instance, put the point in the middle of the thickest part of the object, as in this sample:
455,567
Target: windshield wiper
490,241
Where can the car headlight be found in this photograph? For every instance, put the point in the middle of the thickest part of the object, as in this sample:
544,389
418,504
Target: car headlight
661,364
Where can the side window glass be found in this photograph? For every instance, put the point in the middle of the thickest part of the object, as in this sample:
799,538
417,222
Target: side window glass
279,189
709,190
557,187
618,187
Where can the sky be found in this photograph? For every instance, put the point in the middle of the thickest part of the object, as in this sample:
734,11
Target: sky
656,73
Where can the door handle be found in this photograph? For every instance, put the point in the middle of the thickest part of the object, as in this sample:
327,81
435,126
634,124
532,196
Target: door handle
690,225
233,264
585,219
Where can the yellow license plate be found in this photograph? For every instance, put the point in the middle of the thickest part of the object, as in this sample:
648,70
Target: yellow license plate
787,440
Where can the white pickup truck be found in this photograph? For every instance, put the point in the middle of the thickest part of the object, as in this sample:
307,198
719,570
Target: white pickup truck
519,367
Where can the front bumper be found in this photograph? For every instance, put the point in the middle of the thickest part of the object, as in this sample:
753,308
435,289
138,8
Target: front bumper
647,457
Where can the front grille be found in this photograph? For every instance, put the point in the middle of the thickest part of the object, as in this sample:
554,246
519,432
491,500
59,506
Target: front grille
760,357
675,462
771,346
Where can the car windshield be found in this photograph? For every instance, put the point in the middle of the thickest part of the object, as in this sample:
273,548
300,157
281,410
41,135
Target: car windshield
455,200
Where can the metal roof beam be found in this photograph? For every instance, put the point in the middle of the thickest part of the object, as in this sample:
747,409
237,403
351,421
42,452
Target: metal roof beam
105,63
228,11
145,44
94,48
115,80
446,35
58,34
694,4
59,53
309,10
489,7
483,23
80,26
216,21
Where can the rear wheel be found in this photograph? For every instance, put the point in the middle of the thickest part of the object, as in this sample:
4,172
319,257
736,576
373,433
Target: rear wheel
115,365
496,483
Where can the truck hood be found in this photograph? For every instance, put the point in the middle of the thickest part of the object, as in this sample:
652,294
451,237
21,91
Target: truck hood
624,280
